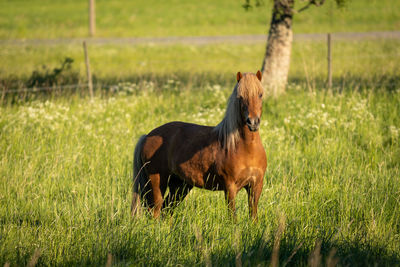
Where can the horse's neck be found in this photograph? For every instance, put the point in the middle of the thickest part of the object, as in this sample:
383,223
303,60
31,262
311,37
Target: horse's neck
248,137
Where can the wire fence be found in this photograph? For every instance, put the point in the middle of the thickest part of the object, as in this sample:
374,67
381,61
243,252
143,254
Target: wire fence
196,40
46,88
202,40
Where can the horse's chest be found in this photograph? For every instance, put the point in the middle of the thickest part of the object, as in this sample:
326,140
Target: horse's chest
245,167
247,175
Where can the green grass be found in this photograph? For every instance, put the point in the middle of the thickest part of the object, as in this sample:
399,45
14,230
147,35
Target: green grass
66,162
333,173
362,61
60,19
366,61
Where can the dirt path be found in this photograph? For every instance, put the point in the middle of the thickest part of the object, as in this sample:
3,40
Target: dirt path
203,40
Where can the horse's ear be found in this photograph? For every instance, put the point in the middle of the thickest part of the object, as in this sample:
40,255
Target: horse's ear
239,76
259,75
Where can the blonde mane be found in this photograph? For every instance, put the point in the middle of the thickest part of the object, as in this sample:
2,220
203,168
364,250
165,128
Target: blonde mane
228,129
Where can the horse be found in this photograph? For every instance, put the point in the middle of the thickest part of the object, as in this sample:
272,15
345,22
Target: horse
228,157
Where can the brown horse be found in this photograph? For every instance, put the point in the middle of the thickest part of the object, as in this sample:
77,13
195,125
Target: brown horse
226,157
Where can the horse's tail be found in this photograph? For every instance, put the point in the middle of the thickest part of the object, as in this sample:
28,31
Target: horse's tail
140,177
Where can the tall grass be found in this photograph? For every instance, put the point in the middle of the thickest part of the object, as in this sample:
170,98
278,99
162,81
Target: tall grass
333,175
332,186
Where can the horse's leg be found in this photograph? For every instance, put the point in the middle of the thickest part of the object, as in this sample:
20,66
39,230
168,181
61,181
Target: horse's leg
147,195
158,185
253,194
230,194
178,190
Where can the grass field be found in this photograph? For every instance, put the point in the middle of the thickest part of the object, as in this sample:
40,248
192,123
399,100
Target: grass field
66,19
333,174
332,186
373,62
365,61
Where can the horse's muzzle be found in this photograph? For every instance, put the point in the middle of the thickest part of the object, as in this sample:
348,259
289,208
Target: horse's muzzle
253,123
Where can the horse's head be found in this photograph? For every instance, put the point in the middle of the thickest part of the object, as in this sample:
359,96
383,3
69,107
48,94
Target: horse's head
250,95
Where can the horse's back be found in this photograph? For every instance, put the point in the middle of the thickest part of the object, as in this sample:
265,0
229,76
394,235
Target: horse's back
175,127
165,142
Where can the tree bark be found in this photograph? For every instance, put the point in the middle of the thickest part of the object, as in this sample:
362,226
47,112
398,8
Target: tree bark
276,62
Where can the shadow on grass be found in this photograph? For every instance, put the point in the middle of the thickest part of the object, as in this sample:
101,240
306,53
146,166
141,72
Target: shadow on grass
291,255
350,254
284,249
14,90
292,252
350,82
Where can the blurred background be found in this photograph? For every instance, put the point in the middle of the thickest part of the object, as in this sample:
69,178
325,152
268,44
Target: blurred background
195,42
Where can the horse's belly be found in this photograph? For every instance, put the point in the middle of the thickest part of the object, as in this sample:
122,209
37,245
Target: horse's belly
201,178
195,164
211,182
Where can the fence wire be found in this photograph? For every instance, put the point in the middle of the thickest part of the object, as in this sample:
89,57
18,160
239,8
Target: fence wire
41,89
150,64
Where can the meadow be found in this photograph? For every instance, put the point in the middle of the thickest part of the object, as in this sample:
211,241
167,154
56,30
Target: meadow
332,186
113,63
333,179
358,63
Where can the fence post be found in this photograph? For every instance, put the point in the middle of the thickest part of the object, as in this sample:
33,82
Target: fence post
92,18
88,73
329,61
3,94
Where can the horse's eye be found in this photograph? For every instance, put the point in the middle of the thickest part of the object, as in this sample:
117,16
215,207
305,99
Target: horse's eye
260,95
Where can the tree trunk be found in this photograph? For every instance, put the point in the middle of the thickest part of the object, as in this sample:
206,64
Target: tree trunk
276,62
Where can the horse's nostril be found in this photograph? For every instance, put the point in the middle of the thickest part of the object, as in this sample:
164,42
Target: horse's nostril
258,120
248,121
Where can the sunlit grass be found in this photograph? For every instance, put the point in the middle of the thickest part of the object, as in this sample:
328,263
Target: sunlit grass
333,173
362,62
41,19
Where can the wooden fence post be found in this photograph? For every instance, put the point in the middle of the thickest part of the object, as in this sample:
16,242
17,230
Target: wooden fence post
329,61
88,72
3,94
92,18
